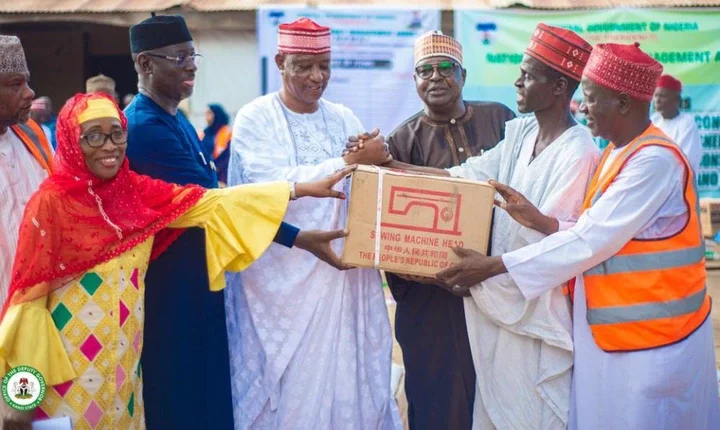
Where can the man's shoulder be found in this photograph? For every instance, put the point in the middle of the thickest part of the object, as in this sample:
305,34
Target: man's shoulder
141,124
683,118
334,105
257,108
491,109
408,124
576,142
657,158
148,131
520,126
686,118
32,128
263,100
339,109
139,115
488,106
581,137
582,132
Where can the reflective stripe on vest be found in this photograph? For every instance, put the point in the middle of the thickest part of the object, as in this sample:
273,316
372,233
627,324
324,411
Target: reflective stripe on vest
647,311
651,293
649,261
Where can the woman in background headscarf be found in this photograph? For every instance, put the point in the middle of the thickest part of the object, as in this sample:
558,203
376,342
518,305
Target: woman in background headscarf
216,138
75,307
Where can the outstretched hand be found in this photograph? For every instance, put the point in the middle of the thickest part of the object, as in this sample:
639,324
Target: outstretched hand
317,242
324,187
522,210
471,270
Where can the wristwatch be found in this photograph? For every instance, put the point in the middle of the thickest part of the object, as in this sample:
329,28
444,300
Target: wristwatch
293,196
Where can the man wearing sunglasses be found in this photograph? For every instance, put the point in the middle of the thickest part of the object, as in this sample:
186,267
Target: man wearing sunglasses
430,322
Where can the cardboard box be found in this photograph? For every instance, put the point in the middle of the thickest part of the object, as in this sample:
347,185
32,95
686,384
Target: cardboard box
710,216
422,218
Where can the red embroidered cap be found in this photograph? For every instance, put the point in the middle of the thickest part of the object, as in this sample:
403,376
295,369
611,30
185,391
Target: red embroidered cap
561,49
669,83
303,36
624,68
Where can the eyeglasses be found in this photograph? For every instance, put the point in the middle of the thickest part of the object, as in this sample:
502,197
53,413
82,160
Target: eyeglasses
180,60
444,68
97,140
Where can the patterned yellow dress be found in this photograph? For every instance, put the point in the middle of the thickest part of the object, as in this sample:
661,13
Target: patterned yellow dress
100,320
86,337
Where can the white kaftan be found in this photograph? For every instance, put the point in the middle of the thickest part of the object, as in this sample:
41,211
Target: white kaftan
20,177
310,346
668,388
683,130
522,349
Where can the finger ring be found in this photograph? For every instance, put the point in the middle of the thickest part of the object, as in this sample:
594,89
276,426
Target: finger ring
457,287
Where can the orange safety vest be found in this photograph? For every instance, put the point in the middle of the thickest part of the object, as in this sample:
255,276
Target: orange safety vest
222,139
32,135
652,292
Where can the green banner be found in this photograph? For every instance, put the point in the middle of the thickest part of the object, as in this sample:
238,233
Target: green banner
686,41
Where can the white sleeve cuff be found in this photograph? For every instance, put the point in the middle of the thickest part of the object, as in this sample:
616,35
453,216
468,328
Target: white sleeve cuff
459,172
512,259
565,225
337,163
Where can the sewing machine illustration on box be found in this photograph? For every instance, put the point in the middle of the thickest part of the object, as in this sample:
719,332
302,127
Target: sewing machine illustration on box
406,202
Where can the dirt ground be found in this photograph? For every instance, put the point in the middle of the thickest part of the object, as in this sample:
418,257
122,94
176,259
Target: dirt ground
713,285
